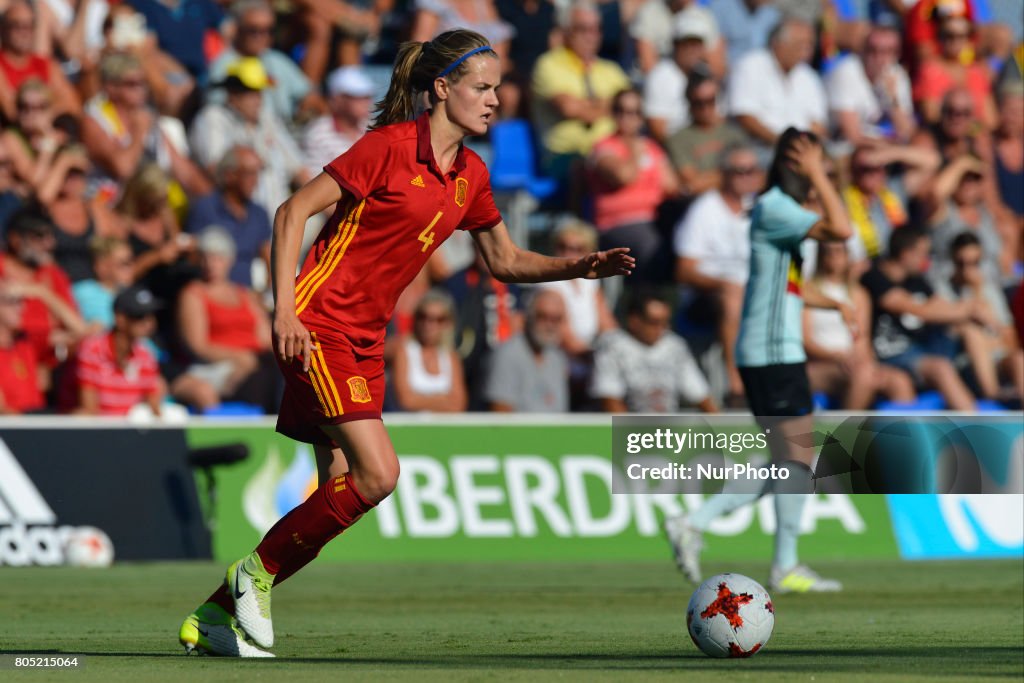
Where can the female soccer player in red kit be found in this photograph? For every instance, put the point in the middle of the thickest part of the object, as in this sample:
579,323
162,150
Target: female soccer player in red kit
399,192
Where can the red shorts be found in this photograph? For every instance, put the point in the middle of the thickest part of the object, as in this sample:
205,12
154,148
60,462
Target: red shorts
342,385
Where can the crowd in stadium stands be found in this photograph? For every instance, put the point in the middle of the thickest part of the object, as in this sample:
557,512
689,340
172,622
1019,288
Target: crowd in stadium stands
145,146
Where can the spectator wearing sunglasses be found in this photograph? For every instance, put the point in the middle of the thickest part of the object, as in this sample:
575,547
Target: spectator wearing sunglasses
712,248
696,150
32,141
20,62
530,372
955,133
950,69
630,176
994,352
665,106
957,203
647,368
875,201
912,327
291,94
427,371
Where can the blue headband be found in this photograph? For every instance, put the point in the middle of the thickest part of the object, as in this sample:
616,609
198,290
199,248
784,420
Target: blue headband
460,60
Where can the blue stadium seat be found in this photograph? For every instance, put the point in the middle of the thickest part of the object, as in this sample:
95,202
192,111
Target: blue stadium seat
926,401
234,409
514,165
986,405
823,401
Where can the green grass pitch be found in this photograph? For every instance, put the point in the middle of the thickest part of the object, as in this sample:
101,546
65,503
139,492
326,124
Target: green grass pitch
896,621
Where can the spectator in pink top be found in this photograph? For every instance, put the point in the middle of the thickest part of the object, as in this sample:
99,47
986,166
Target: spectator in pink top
949,70
630,176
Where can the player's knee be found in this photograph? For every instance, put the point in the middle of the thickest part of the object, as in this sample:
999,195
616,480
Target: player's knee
377,483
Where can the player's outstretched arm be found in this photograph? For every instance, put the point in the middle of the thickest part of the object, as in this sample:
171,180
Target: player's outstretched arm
509,263
291,338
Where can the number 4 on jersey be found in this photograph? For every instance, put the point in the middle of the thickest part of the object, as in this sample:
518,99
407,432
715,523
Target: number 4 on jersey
427,236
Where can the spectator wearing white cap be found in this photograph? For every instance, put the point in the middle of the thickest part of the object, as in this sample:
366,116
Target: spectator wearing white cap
774,89
349,98
290,94
653,30
243,120
665,106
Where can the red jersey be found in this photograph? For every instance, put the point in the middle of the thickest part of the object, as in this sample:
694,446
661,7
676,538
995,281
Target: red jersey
35,66
118,388
398,208
19,379
36,321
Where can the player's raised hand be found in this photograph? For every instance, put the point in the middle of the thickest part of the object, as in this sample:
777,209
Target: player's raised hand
805,156
607,263
291,339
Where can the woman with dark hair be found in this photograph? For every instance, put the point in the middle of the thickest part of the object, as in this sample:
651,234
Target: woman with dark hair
770,354
839,363
630,176
948,70
400,191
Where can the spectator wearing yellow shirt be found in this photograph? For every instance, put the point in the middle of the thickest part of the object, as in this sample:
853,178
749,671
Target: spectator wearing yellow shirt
572,92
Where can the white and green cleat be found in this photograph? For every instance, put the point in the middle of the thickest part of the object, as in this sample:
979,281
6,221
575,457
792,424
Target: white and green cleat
211,631
249,585
801,579
687,542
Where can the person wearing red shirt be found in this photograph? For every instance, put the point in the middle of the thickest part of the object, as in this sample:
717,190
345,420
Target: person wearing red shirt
399,192
630,176
115,371
921,31
49,316
20,390
18,62
948,71
226,331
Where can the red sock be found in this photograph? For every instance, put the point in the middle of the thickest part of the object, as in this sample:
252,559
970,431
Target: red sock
299,536
222,597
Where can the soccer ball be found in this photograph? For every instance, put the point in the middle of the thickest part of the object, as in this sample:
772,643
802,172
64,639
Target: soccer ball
88,546
730,615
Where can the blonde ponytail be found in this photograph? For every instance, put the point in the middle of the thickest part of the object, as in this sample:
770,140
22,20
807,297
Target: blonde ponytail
399,104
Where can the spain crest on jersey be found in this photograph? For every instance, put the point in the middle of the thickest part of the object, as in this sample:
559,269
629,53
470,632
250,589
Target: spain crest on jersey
358,391
461,190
